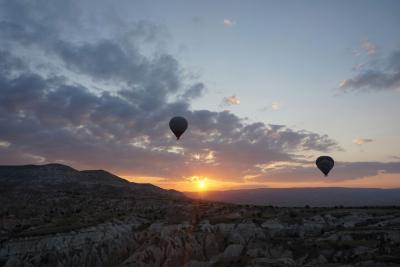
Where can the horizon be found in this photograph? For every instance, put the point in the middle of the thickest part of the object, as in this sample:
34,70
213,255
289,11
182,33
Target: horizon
208,190
60,175
266,87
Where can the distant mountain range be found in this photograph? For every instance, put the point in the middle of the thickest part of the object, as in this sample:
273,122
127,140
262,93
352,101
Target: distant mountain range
298,197
53,177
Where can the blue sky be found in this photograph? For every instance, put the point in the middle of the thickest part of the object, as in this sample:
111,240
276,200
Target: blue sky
93,84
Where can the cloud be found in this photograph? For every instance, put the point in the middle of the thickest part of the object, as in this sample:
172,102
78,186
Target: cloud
4,144
97,100
275,106
228,23
195,91
230,100
362,141
369,47
382,78
50,119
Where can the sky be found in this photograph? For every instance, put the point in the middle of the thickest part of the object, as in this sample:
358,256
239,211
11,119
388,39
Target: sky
267,87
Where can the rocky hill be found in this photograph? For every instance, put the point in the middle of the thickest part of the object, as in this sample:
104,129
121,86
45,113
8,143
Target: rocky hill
53,215
53,177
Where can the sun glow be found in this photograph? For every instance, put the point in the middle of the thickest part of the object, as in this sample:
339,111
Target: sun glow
201,184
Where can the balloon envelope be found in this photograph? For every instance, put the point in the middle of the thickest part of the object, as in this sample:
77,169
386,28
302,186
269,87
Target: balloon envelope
178,126
325,164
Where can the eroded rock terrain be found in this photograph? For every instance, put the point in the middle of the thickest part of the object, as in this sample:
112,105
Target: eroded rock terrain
97,219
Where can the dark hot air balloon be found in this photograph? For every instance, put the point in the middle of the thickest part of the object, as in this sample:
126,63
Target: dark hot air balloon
325,164
178,126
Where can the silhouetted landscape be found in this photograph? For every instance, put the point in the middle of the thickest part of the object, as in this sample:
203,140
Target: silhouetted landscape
54,215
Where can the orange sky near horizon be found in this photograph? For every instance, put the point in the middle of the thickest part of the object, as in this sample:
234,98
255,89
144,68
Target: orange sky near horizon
207,184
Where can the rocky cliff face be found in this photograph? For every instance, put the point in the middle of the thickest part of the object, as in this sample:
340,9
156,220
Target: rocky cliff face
80,220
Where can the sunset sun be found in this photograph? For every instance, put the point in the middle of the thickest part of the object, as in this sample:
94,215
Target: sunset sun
201,184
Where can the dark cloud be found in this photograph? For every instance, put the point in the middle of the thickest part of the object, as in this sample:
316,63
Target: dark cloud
147,32
49,119
195,91
108,60
385,78
9,64
103,103
394,61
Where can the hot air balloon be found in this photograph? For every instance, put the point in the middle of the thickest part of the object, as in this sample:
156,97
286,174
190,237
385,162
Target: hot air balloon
325,164
178,126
